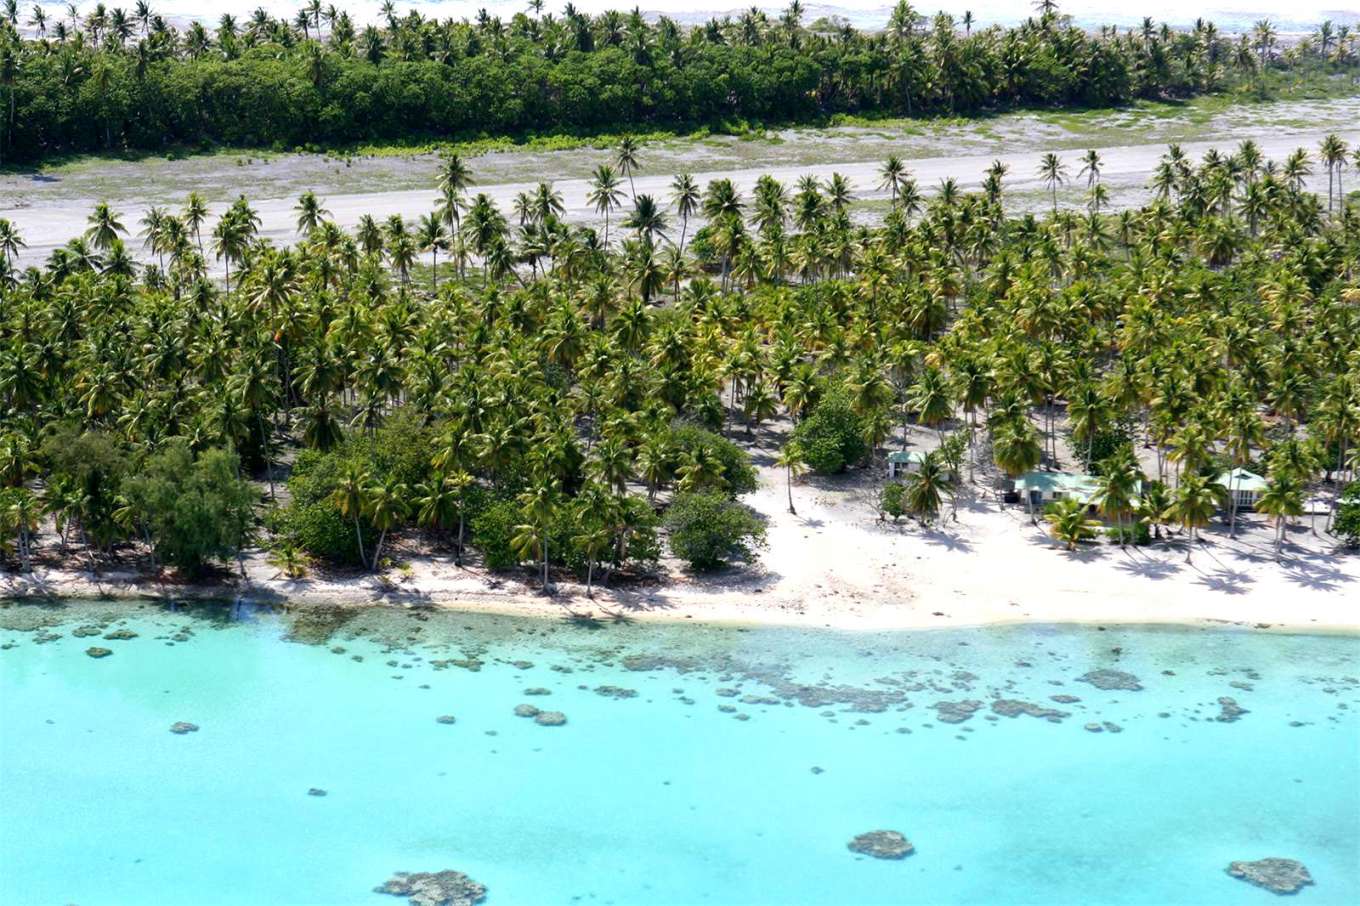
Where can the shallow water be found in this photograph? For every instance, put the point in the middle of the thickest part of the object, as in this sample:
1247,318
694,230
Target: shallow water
669,796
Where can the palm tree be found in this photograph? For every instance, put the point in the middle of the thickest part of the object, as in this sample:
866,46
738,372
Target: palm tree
604,194
539,506
310,213
627,162
1068,522
1282,500
685,197
387,506
791,459
1054,172
10,242
431,237
1117,490
893,177
350,498
105,227
1193,504
925,488
646,219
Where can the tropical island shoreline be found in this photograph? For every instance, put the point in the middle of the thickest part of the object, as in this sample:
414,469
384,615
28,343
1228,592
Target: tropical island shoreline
905,578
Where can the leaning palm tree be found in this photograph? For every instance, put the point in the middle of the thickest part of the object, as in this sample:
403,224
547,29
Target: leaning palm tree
387,506
793,462
349,498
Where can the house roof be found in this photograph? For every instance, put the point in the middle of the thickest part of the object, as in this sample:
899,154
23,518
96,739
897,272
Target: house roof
906,457
1049,482
1242,480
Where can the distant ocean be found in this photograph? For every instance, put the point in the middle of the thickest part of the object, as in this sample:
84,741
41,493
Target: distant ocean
1239,15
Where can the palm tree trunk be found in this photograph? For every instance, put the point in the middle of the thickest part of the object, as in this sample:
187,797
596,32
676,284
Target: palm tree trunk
788,486
359,536
377,551
590,578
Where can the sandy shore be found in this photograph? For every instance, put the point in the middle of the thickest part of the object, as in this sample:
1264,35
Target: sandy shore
834,564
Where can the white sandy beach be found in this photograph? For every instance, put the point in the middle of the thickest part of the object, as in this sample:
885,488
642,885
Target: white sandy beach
836,565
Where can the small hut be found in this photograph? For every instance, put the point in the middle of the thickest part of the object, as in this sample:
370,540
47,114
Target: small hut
1244,487
1039,488
901,461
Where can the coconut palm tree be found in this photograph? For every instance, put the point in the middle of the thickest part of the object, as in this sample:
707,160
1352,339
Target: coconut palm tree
627,162
1193,504
1054,172
1282,500
1068,522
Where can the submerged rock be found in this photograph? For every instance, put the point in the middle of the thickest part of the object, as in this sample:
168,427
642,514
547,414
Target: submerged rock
1111,679
183,726
1229,710
445,719
120,635
316,791
526,710
956,712
81,632
440,888
882,844
1064,699
538,690
615,692
96,651
550,718
1010,707
1094,728
1275,875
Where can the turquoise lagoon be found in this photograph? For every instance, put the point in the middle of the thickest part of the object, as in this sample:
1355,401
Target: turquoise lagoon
698,789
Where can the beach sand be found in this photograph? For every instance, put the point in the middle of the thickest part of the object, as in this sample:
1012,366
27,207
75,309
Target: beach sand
835,564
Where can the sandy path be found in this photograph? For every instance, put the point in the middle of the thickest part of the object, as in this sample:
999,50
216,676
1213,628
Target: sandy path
1126,170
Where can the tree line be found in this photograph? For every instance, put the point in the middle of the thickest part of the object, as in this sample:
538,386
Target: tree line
537,394
112,80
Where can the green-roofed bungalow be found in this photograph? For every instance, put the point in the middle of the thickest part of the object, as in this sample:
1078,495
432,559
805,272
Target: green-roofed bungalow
1246,487
904,461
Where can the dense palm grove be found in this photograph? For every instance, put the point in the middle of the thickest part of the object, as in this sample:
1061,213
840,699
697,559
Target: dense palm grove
541,394
103,78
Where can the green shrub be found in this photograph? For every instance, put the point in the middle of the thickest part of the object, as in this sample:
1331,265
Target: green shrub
1347,523
1138,533
492,529
707,530
194,511
738,475
892,500
832,435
